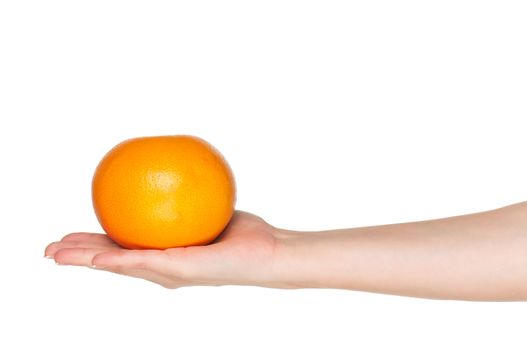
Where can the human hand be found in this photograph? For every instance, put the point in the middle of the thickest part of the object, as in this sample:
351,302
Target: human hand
244,254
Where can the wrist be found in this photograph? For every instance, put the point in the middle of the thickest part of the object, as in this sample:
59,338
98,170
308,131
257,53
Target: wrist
294,264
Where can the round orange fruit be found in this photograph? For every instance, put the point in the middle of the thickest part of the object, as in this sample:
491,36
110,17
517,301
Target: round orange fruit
162,192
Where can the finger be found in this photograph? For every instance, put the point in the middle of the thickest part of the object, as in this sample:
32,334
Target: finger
55,246
84,257
163,280
165,262
77,256
88,237
145,264
154,260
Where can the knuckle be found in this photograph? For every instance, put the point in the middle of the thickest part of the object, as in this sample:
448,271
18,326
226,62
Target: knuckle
72,236
141,265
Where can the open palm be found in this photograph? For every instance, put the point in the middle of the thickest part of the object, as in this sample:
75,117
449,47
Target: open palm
243,254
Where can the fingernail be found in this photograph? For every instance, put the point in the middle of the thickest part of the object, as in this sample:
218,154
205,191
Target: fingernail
48,257
96,267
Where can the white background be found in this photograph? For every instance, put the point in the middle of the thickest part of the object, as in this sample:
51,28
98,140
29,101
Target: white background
331,113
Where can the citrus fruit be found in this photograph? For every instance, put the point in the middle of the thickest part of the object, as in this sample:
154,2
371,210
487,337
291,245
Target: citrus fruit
162,192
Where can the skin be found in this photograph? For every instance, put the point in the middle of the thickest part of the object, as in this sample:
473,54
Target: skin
480,256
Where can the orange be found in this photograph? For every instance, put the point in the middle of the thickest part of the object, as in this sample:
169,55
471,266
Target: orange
162,192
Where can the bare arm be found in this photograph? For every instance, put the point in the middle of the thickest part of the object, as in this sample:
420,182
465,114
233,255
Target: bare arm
481,256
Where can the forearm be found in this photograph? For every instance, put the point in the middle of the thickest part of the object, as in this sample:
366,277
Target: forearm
480,256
